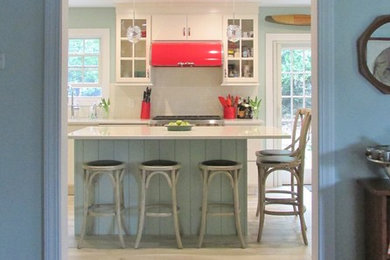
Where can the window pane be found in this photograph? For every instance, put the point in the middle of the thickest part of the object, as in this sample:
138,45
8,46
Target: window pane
286,61
91,92
75,61
140,49
75,76
91,76
308,85
91,60
126,48
308,60
286,84
308,102
92,46
297,103
286,108
297,60
298,85
126,68
76,46
76,92
139,69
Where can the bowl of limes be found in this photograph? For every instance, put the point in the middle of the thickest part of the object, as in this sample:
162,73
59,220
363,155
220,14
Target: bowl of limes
179,125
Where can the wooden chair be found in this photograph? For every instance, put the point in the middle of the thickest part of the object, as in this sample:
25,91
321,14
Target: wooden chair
290,150
293,162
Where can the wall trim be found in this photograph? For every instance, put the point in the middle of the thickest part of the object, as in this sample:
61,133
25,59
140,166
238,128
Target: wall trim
54,133
325,123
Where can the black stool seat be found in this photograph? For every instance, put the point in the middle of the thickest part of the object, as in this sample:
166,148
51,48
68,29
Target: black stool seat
219,163
159,163
102,163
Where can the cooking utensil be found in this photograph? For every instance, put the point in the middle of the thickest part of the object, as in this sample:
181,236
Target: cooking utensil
222,101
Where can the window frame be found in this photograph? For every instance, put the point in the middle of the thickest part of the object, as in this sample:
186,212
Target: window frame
104,61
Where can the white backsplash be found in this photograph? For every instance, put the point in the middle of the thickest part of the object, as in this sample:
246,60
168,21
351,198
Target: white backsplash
177,91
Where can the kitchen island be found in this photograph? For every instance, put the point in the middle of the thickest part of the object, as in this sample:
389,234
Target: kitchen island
135,144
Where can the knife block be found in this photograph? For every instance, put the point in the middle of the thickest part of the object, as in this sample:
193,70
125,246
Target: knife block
145,110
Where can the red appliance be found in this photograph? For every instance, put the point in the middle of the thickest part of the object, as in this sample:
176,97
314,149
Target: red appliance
186,54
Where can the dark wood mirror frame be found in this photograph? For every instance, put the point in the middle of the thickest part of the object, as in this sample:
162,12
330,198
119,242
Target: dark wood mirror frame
362,53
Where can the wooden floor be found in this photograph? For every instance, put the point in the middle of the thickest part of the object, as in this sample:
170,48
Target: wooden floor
281,240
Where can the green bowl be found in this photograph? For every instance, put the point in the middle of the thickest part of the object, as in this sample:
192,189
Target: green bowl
179,127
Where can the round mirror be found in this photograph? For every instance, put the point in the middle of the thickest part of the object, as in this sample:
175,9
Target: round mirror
374,53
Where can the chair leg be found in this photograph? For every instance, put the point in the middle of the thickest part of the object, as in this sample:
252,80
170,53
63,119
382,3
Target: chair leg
204,208
261,173
141,215
258,194
118,208
292,192
85,209
174,210
237,209
301,211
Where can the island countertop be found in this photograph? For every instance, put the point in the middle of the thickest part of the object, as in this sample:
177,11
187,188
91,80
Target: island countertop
197,132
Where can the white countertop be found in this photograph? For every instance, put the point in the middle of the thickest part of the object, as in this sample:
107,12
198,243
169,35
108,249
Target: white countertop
100,121
135,121
197,132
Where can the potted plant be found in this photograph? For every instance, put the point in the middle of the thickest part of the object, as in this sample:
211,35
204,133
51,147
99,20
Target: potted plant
104,106
255,105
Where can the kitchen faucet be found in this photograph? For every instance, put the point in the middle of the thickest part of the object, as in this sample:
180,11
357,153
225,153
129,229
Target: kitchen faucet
72,106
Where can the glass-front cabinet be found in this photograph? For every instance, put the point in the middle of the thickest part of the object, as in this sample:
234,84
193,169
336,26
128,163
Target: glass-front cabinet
132,61
241,57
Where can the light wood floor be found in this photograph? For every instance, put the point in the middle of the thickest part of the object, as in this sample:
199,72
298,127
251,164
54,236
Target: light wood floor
281,241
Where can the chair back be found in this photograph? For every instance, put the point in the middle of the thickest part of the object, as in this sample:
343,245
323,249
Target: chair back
301,126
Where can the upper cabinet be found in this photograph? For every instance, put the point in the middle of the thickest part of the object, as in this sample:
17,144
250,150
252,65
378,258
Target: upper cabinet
187,27
241,57
132,60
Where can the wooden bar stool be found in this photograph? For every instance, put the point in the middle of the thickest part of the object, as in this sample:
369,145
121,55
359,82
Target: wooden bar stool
92,170
170,170
231,169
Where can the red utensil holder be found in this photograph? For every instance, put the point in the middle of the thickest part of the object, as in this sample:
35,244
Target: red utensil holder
145,110
229,113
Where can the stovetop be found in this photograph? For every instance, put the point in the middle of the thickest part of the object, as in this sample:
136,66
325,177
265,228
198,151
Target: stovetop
198,120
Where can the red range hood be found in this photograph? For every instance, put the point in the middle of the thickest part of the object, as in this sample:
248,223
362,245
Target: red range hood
186,54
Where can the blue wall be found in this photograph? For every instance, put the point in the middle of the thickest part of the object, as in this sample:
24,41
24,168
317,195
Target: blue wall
21,117
362,118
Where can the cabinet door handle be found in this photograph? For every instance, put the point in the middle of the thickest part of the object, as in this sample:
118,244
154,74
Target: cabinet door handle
184,31
147,74
225,73
189,31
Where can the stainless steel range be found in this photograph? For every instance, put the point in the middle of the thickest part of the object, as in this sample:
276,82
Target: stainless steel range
203,120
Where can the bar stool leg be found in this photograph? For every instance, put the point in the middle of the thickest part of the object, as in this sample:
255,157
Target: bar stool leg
141,216
174,210
292,192
204,208
85,208
261,173
118,207
258,195
237,208
301,210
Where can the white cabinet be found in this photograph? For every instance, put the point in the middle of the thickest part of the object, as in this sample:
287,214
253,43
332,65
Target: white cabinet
187,27
132,60
241,57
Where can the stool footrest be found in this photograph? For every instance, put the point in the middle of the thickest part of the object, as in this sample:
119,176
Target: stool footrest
220,209
104,209
159,210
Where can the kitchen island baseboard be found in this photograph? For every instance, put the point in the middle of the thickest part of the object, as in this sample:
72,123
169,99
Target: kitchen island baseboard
189,188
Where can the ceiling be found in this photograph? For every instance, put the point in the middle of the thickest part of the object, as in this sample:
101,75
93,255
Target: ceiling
111,3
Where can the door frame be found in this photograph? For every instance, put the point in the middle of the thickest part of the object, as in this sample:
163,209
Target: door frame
273,42
55,133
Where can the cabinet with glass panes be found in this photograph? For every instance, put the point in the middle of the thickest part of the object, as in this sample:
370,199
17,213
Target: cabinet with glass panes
132,59
241,57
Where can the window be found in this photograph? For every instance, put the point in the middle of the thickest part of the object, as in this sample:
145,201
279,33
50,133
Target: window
88,65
